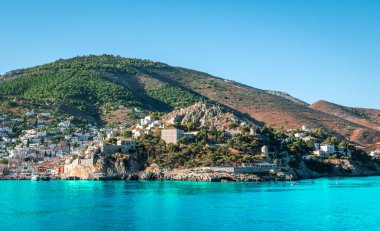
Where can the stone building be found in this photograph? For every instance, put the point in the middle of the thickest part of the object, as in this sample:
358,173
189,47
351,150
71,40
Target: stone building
171,135
123,146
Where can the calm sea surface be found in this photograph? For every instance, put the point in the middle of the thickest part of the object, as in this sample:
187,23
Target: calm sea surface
323,204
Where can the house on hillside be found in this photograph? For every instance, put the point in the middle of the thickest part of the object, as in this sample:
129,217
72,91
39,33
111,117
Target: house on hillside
327,150
140,131
300,135
375,153
146,120
324,150
310,138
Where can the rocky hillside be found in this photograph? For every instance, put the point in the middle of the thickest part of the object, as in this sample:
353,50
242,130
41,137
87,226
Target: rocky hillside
289,97
206,115
271,109
99,87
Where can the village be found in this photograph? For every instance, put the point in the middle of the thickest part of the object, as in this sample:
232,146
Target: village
49,149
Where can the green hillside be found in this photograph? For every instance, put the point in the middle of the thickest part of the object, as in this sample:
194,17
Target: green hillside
90,82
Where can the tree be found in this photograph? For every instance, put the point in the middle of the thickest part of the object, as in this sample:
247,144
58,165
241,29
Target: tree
190,126
332,140
233,125
245,129
127,134
298,147
202,136
113,141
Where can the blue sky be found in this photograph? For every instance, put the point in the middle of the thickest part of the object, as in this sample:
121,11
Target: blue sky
312,49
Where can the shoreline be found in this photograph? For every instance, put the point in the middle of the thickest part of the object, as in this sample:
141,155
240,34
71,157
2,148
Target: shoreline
337,168
131,180
217,178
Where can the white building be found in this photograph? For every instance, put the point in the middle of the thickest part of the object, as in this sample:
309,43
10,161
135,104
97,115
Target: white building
41,134
64,124
375,153
146,120
324,150
140,131
30,113
300,135
124,146
330,149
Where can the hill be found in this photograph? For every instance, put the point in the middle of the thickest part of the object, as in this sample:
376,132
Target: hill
369,118
111,89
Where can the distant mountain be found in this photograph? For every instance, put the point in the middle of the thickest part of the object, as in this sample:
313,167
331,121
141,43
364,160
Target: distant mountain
369,118
111,88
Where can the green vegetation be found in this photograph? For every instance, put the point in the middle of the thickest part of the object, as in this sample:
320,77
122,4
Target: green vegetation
18,127
85,85
174,96
208,148
85,90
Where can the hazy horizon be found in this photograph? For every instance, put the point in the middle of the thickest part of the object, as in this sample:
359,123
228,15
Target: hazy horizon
314,50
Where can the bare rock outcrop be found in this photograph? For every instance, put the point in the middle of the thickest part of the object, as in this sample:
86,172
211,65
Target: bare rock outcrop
204,115
155,173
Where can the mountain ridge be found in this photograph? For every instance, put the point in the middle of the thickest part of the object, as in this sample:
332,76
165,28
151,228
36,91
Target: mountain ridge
99,85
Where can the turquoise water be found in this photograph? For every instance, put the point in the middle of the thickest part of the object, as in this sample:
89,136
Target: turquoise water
323,204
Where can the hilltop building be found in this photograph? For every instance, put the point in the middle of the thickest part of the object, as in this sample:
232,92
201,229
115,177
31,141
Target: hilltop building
171,134
124,146
327,150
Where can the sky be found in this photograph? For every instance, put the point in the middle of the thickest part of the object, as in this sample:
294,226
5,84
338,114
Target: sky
311,49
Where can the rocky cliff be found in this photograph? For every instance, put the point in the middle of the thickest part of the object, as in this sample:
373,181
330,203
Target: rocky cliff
205,115
335,167
120,164
197,174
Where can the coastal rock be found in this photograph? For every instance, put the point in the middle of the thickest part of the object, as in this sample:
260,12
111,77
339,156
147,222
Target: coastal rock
79,171
155,173
118,164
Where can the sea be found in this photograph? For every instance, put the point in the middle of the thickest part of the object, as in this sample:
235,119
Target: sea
320,204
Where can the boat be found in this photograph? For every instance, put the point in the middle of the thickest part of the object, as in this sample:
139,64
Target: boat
102,176
35,178
45,177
